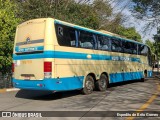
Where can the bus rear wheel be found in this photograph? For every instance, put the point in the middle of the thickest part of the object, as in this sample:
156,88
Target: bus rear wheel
102,83
88,86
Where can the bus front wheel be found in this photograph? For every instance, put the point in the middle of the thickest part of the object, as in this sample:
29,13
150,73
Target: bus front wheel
102,83
89,85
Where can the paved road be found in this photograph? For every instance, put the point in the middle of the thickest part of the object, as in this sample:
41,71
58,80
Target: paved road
119,97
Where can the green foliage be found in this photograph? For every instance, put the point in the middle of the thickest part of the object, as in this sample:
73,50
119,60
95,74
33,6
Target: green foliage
142,5
151,45
157,43
66,10
96,15
81,14
155,46
103,10
147,10
129,33
108,19
8,23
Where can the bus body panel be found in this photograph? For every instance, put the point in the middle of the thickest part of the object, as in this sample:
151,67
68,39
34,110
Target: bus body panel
31,44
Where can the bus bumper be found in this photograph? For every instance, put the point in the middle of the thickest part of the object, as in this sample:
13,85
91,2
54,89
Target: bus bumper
62,84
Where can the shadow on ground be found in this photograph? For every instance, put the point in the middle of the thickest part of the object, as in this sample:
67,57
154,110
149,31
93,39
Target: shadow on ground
45,95
124,83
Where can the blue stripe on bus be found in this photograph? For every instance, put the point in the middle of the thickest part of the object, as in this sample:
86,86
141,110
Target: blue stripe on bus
62,84
119,77
73,55
70,83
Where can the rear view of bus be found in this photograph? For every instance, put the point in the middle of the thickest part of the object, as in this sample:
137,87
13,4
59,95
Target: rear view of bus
31,65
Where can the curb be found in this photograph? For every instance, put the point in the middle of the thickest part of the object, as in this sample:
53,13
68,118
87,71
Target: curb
8,90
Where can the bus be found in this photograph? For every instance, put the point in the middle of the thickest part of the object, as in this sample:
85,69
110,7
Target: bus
54,55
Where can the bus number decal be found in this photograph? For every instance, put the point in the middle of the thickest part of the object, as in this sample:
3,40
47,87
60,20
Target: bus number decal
26,61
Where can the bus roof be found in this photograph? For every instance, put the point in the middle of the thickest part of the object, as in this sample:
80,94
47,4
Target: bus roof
31,21
102,32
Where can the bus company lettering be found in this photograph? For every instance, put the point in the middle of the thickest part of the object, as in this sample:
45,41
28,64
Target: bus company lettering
116,58
27,49
125,59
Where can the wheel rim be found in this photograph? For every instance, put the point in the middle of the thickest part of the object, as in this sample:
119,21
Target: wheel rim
89,86
103,82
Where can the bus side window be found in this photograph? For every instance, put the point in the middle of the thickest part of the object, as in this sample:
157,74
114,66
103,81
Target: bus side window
86,40
103,43
143,50
129,47
72,37
65,35
116,45
126,47
134,48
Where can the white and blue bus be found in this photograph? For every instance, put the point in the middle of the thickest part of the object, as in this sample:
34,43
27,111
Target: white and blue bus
54,55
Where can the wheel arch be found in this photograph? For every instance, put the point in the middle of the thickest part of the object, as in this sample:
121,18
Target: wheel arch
145,72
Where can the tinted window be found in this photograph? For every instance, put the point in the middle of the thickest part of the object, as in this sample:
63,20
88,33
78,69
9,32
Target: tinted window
134,48
142,50
103,43
129,47
116,45
65,35
86,40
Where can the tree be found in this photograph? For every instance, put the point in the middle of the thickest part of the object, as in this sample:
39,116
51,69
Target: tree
8,23
147,10
96,15
151,45
82,14
157,43
108,19
129,33
103,10
66,10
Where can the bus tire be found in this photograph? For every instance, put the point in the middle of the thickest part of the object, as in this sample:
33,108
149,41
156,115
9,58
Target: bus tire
102,83
142,80
89,85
